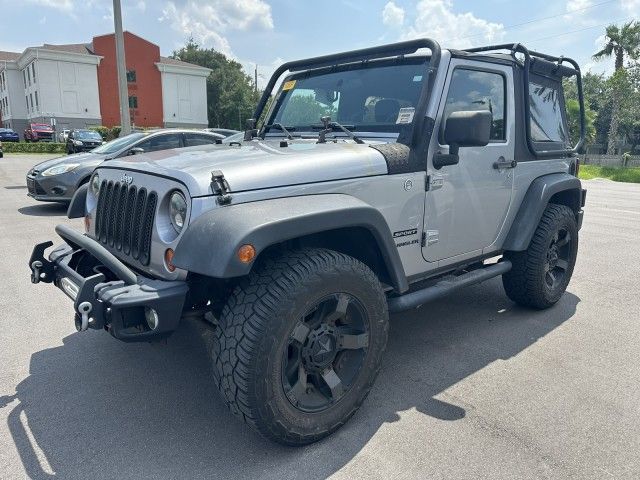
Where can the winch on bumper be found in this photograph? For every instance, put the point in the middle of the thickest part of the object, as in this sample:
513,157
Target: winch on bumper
106,293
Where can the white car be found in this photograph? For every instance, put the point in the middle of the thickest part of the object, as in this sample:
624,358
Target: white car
63,136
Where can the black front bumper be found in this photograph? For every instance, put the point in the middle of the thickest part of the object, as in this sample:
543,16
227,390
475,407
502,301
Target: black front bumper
106,293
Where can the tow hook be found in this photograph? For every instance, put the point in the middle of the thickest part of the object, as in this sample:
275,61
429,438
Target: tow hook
35,271
82,317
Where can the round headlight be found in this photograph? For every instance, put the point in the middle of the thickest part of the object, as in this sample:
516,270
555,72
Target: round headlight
95,184
177,210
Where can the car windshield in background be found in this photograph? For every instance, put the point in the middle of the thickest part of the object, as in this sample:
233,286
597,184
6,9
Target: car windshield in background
378,97
118,144
88,135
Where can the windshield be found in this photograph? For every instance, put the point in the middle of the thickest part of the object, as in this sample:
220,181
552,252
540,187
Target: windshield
88,135
377,97
118,144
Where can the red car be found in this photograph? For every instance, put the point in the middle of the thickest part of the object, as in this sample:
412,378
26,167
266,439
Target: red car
36,132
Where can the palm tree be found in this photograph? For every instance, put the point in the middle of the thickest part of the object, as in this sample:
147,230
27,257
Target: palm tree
620,42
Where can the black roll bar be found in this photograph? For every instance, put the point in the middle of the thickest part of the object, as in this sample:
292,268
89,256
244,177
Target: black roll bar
528,54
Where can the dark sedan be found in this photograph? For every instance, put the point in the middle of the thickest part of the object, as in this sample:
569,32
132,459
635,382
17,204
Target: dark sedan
57,180
8,135
83,141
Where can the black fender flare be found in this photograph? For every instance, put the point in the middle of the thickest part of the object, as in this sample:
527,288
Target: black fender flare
210,243
77,206
540,192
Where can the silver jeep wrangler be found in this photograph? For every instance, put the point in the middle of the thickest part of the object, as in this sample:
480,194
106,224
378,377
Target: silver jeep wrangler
378,180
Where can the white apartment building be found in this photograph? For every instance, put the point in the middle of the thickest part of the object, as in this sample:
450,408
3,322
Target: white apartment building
71,86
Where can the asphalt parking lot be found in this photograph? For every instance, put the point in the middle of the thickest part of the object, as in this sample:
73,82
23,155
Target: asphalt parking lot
472,387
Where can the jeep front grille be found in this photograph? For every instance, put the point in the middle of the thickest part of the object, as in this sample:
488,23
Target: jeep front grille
124,219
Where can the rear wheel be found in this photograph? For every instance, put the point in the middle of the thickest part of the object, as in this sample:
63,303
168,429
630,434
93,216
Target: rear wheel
541,273
300,343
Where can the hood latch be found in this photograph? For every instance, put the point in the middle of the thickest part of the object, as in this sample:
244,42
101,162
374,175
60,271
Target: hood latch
220,187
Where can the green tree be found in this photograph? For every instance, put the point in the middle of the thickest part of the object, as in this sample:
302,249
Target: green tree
621,42
594,90
573,118
231,95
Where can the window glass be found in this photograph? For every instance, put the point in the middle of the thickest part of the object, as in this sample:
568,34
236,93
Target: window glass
88,135
118,144
161,142
131,76
477,90
133,102
307,106
361,97
33,68
546,114
194,139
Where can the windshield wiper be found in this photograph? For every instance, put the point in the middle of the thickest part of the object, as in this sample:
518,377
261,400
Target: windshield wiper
329,127
279,126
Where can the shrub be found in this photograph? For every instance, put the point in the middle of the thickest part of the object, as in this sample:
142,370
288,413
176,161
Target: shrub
38,147
107,133
103,131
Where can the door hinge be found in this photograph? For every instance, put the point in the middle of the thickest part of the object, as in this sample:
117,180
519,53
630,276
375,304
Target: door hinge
423,242
427,184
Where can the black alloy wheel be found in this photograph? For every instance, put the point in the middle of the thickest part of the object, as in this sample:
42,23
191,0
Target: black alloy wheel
325,353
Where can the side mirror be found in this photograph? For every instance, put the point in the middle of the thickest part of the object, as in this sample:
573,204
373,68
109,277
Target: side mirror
464,129
136,151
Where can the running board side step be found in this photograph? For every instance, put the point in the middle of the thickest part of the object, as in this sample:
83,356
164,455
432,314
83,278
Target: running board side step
446,286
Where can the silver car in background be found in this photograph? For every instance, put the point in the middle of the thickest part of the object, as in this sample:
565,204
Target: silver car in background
56,180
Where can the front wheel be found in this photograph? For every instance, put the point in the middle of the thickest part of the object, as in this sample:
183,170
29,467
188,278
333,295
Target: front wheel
300,343
540,274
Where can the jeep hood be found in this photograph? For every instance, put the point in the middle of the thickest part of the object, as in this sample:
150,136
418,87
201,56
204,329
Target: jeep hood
258,164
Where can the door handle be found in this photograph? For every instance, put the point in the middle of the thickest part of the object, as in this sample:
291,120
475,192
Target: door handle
502,163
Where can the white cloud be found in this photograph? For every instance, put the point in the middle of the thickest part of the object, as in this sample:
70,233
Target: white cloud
207,21
632,7
578,5
436,19
141,5
392,15
65,5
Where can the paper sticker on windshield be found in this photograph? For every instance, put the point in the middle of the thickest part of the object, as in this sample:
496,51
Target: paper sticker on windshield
288,85
417,78
405,115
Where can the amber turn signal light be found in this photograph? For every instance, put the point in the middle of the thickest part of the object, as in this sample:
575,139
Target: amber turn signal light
246,253
168,258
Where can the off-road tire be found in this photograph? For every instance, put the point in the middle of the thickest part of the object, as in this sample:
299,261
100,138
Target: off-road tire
525,283
258,320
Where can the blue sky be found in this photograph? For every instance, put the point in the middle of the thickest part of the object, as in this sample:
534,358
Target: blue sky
267,32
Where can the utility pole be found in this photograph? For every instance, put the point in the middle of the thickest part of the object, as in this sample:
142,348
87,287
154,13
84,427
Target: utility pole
123,91
255,81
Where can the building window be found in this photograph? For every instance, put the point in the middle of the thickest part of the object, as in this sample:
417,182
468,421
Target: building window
29,75
33,71
37,106
26,99
131,76
24,77
31,98
133,102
